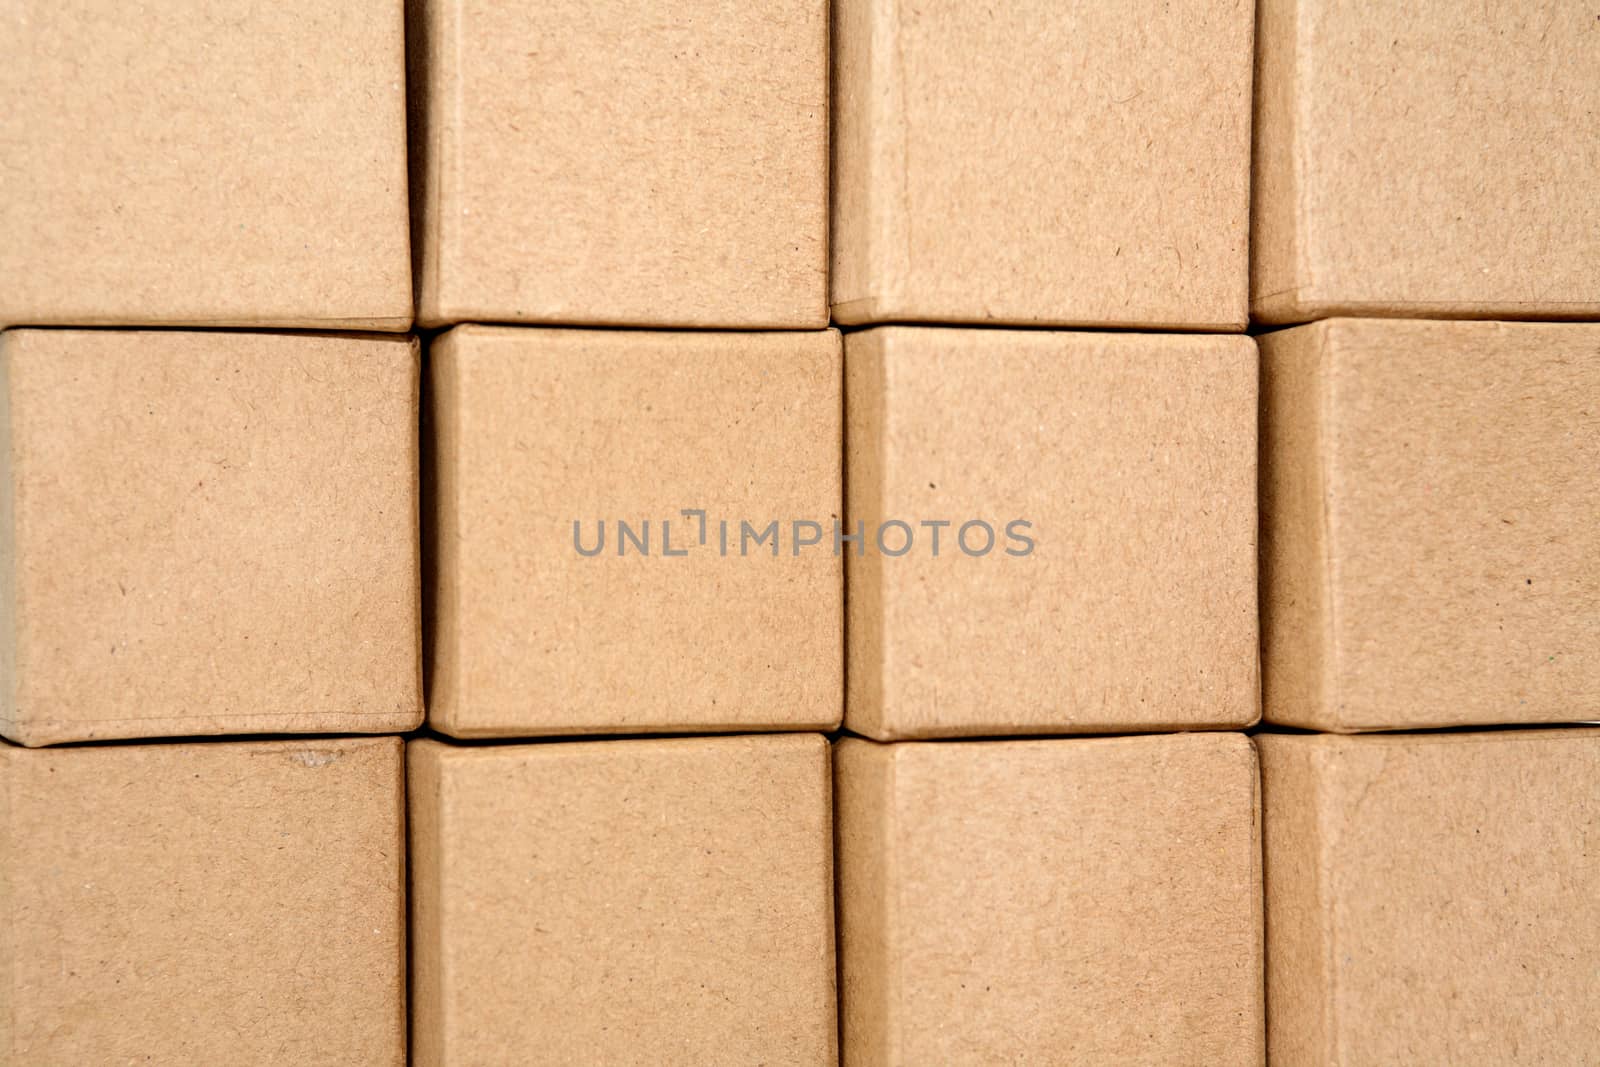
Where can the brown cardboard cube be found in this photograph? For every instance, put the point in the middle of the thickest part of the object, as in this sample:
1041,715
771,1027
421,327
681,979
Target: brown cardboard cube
1430,550
660,901
237,903
204,163
645,164
1426,158
1431,897
1063,901
206,533
1039,162
634,532
1096,570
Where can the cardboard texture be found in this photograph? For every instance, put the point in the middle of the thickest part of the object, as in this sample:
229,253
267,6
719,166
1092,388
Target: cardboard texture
1062,901
1134,459
1430,555
1431,897
235,903
206,533
1042,163
644,164
1426,158
204,163
536,432
659,901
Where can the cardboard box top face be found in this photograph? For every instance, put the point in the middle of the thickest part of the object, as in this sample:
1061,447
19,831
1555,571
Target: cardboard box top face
625,901
623,164
1084,901
541,429
1040,162
1432,505
209,533
1470,186
1134,458
1445,896
224,163
208,903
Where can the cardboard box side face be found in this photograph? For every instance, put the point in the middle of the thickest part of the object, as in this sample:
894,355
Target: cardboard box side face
565,627
1079,901
443,534
8,904
218,884
862,77
1296,604
427,863
9,614
867,413
1108,186
665,895
1394,218
1462,895
429,71
1465,460
228,189
580,195
1135,607
391,767
269,523
1299,929
869,983
1277,267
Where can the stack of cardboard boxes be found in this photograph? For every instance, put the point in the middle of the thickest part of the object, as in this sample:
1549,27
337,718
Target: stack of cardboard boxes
1071,899
205,532
652,531
612,526
1430,529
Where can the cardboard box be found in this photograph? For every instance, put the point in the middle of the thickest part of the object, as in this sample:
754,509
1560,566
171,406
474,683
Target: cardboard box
204,163
644,164
1110,479
1036,162
1062,901
1431,897
634,532
623,902
206,533
1430,555
1426,158
203,903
